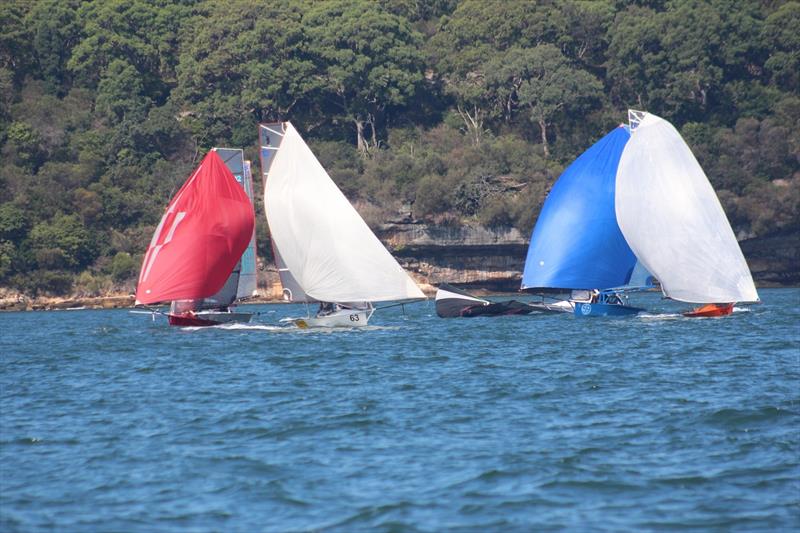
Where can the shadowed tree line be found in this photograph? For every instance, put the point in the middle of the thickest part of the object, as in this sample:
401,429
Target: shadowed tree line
445,111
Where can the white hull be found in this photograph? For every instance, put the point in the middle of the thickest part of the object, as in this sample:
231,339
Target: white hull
345,318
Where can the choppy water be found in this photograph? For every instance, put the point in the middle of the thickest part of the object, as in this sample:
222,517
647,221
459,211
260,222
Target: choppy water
110,422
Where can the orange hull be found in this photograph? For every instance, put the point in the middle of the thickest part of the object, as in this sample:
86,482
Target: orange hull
711,310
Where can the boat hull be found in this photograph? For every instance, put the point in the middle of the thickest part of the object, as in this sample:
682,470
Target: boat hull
346,318
563,306
511,307
207,319
710,310
603,309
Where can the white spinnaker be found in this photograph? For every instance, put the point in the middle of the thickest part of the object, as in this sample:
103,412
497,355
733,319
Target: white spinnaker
322,239
673,221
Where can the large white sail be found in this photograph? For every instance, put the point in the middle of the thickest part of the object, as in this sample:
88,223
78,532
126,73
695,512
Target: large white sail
673,221
321,238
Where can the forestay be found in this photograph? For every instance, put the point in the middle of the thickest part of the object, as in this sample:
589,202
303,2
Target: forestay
673,221
320,237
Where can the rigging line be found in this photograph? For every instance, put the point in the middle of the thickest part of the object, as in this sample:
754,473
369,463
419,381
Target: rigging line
393,305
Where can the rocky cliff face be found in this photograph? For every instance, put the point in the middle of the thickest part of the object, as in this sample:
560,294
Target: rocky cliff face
470,256
774,260
493,259
467,255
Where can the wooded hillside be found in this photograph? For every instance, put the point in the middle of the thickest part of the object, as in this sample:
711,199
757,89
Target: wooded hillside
441,110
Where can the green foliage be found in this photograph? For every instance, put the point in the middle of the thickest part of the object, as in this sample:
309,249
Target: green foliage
55,31
64,242
14,43
370,62
242,63
14,223
123,267
48,282
459,111
7,252
782,39
24,146
119,94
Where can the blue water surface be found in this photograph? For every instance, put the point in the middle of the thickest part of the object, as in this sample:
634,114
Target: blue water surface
112,422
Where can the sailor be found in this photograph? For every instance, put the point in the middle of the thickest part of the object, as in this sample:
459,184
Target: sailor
325,308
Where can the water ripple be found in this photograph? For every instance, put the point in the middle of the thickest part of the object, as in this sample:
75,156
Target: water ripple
109,421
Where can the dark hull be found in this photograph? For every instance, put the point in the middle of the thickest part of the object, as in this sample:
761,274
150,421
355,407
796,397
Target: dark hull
511,307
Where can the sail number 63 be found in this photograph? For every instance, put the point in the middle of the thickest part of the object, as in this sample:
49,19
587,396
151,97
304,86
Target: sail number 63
354,318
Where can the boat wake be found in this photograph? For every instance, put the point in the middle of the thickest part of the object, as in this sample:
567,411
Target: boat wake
288,328
660,316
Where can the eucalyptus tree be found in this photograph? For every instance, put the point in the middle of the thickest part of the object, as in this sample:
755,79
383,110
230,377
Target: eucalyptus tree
370,62
242,62
54,31
14,42
781,37
496,57
680,61
470,45
543,81
135,31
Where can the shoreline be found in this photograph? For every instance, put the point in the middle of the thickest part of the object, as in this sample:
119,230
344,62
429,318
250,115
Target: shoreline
18,302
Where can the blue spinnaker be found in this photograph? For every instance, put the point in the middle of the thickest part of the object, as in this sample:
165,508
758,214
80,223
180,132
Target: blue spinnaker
577,243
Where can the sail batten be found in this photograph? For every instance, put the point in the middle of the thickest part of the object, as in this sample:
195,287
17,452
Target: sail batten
672,219
318,236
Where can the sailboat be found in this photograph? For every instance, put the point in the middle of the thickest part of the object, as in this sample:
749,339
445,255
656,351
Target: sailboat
325,252
577,247
195,258
637,206
452,302
674,223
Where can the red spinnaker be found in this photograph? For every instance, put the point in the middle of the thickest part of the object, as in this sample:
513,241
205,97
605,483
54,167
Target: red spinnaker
204,232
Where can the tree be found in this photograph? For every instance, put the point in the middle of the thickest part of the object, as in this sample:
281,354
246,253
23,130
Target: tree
476,51
14,223
24,146
242,63
370,61
782,40
63,242
120,94
131,30
677,62
55,31
554,85
14,42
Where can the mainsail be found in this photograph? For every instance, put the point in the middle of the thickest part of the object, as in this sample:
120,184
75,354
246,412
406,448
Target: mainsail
577,243
200,239
673,221
270,137
318,236
248,282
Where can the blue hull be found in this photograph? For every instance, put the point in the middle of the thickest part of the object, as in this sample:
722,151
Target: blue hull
601,309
